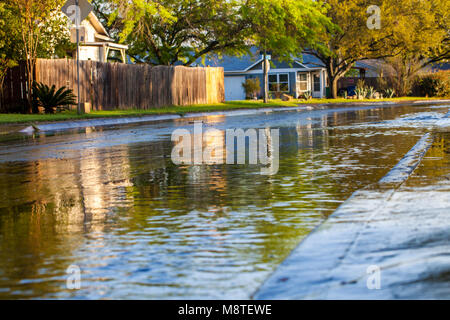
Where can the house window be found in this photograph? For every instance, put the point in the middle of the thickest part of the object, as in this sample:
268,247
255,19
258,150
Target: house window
302,79
279,82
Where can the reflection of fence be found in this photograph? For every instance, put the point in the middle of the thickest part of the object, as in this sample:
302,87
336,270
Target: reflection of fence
115,85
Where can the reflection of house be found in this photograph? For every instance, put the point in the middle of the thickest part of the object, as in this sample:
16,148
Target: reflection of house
307,74
95,43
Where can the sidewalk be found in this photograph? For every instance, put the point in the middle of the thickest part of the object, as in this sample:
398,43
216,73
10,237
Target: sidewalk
401,226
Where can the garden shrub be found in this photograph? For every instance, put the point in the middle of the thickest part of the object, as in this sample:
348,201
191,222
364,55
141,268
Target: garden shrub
436,84
50,99
252,87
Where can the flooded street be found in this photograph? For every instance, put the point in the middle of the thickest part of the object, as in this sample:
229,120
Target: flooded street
110,201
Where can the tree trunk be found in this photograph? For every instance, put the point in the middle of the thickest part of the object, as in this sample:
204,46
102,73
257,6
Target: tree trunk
334,88
31,65
2,82
333,79
30,89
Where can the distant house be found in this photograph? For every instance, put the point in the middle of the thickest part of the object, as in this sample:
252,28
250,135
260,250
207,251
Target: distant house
373,68
442,66
295,78
307,73
95,43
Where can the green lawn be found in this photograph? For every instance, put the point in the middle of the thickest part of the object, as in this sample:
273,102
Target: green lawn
231,105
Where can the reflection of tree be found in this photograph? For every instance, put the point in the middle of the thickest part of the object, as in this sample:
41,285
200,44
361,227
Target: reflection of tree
46,207
434,168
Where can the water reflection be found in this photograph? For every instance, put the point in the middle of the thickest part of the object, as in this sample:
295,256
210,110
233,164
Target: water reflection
112,202
433,173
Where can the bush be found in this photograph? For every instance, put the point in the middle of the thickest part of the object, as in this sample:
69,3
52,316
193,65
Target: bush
306,95
435,84
371,93
52,100
252,87
389,92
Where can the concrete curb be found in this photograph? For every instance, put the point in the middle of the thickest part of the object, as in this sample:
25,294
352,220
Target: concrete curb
320,263
67,125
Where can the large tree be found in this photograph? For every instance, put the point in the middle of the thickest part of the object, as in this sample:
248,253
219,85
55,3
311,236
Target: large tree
169,31
406,26
173,31
9,53
43,33
285,28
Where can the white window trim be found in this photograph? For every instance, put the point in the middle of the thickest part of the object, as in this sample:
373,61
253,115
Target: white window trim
278,81
306,81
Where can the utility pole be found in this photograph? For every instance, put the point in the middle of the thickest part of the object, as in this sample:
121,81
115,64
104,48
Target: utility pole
78,54
77,11
265,76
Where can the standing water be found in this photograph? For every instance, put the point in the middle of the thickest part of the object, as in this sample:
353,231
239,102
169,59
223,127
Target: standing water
111,202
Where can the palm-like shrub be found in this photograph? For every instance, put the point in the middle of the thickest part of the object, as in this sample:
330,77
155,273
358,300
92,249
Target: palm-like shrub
389,92
51,99
307,95
252,87
371,92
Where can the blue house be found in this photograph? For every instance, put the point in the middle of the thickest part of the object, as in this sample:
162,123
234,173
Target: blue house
295,78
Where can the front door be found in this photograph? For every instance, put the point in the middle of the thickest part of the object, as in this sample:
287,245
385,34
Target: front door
316,85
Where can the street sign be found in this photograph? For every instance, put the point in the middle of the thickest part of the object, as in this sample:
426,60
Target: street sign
77,12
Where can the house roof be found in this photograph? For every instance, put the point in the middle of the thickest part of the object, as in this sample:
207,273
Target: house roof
98,26
441,66
311,61
307,61
380,65
231,63
251,61
366,65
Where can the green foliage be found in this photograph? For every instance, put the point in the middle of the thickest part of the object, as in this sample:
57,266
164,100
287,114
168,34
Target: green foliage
361,90
360,84
40,28
307,95
54,41
403,71
49,37
168,31
252,87
286,27
371,93
51,99
8,42
432,85
389,92
408,27
352,73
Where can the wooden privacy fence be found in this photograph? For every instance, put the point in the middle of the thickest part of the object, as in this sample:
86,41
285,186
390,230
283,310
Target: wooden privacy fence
110,86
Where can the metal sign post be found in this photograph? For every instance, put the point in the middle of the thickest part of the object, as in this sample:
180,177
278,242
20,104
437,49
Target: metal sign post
77,26
77,11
